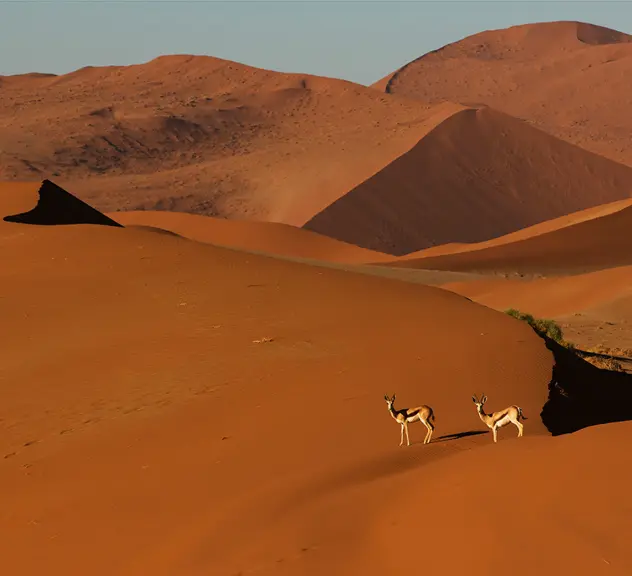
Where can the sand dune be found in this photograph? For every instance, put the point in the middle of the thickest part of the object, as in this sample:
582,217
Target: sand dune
270,237
524,233
475,176
551,297
367,527
178,400
147,343
538,72
582,242
208,136
203,135
594,309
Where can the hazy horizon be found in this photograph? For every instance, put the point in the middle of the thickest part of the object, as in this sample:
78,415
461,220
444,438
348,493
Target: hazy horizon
356,40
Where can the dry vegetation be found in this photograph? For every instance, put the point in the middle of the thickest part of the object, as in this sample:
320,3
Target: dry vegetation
600,356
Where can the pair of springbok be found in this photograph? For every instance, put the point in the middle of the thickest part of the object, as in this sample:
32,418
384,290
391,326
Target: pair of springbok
425,415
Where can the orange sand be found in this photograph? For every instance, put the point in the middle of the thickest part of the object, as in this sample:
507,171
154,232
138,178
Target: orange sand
570,79
171,406
594,240
271,237
477,175
150,392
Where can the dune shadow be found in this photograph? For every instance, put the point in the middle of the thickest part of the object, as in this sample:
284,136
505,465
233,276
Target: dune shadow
58,207
459,435
582,395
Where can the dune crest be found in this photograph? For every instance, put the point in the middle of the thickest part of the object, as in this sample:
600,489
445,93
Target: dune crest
270,237
595,240
537,72
476,162
203,135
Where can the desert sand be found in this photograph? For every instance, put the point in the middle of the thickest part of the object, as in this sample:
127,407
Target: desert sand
213,410
213,273
478,161
207,136
268,237
580,242
570,79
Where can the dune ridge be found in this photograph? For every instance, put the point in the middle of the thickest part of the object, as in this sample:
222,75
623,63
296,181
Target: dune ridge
536,72
270,237
574,245
184,332
203,135
477,161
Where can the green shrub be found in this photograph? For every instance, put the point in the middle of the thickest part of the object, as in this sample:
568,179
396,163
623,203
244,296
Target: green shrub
542,326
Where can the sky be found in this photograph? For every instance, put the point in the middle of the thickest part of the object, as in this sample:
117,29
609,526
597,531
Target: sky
357,40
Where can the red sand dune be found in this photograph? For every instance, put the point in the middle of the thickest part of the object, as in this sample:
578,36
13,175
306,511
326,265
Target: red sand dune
198,134
528,232
475,176
570,79
150,390
551,297
594,309
270,237
594,240
204,135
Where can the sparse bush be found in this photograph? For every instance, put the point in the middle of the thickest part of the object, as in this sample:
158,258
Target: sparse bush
606,351
605,363
542,326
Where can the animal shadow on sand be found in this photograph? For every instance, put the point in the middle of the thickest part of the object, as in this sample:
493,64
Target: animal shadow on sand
459,435
582,395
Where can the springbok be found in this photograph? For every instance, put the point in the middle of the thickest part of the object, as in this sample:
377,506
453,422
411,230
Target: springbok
501,418
422,413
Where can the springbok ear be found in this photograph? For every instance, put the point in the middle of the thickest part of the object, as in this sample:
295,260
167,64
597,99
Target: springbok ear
484,400
385,397
393,398
474,399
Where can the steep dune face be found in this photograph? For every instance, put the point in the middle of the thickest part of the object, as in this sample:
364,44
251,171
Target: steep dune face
202,135
271,237
225,380
540,73
477,175
588,244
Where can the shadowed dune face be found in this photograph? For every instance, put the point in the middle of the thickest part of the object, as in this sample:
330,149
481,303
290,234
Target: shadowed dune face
537,72
477,175
54,206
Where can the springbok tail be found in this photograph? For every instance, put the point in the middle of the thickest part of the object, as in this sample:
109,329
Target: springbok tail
520,414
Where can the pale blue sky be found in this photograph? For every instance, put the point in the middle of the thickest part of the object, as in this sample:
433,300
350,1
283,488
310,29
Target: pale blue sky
356,40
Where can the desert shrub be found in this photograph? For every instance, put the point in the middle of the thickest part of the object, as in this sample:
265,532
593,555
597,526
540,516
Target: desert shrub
605,363
607,351
542,326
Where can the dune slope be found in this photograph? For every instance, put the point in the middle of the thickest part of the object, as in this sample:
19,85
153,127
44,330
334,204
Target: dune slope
165,366
578,243
203,135
540,73
475,176
270,237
